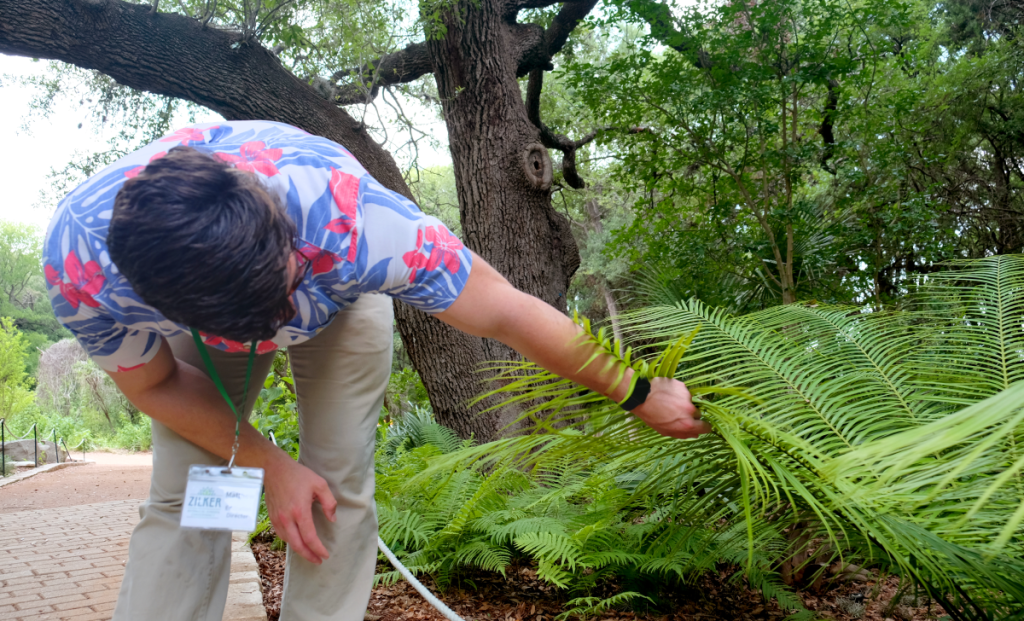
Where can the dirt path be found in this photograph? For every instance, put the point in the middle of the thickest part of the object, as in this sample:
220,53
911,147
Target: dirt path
113,477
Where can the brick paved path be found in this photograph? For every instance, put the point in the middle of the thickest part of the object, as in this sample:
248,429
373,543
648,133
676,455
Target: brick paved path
64,563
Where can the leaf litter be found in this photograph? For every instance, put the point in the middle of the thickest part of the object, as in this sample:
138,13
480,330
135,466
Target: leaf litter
520,596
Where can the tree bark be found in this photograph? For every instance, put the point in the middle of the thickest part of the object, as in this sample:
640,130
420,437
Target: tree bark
503,177
596,227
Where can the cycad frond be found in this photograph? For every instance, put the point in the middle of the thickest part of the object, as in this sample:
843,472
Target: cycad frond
955,463
978,349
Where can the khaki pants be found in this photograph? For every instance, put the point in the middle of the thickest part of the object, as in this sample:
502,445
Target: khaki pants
340,379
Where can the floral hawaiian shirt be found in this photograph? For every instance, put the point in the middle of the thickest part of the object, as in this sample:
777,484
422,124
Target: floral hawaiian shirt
359,236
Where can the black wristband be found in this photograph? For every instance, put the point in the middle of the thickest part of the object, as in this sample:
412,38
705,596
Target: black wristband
641,389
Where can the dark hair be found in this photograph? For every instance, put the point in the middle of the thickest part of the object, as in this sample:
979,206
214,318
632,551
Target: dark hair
204,244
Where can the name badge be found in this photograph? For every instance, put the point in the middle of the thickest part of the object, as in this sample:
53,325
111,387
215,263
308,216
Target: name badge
220,499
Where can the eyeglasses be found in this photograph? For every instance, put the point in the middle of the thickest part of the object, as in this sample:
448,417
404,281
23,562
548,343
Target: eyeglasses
302,268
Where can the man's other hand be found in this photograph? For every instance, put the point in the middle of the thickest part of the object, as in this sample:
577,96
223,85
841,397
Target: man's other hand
291,489
670,411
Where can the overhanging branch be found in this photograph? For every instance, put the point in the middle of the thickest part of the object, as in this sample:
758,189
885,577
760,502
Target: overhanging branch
659,17
564,23
399,67
176,56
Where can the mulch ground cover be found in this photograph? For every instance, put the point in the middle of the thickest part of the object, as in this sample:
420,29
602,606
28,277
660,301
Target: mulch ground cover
520,596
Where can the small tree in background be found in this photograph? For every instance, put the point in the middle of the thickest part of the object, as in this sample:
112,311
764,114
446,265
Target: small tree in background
67,380
13,351
57,380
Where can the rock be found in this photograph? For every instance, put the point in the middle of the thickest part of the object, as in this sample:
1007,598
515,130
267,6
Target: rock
23,450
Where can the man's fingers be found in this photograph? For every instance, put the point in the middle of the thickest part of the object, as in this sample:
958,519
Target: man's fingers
327,501
290,533
685,428
700,427
308,533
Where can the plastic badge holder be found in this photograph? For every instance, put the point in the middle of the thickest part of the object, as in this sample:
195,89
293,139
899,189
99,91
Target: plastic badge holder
219,498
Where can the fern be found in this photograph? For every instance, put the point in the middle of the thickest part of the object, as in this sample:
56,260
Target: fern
593,606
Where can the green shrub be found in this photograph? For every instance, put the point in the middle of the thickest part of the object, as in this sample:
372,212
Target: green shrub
133,436
276,411
8,466
406,393
75,432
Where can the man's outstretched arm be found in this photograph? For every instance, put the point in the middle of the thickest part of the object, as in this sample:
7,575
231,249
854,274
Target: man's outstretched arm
491,307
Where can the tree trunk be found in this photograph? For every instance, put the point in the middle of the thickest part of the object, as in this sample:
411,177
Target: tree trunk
503,178
595,226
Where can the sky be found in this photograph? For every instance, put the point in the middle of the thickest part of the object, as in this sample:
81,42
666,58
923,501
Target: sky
33,146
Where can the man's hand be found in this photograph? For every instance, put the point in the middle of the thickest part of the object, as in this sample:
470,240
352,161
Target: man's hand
291,489
669,410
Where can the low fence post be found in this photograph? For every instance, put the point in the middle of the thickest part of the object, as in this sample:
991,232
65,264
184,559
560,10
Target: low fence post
35,442
56,447
3,447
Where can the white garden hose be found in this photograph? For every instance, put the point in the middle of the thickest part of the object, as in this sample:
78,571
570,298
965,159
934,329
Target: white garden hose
422,590
416,584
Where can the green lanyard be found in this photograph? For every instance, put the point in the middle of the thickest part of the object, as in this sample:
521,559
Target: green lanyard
223,391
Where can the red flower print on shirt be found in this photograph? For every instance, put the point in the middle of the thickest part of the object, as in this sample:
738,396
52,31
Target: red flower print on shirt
86,281
131,174
323,260
345,191
265,347
255,157
186,135
234,347
444,249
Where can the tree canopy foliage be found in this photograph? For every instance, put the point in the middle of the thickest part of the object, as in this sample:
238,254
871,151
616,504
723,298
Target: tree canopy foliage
804,150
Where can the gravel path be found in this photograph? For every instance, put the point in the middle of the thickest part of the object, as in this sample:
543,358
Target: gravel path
113,477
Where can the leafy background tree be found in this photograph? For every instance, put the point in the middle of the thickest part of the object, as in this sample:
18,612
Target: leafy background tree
23,292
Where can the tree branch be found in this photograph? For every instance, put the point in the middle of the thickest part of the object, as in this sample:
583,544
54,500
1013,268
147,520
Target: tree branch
827,124
552,140
564,23
659,17
173,55
533,47
396,68
512,7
